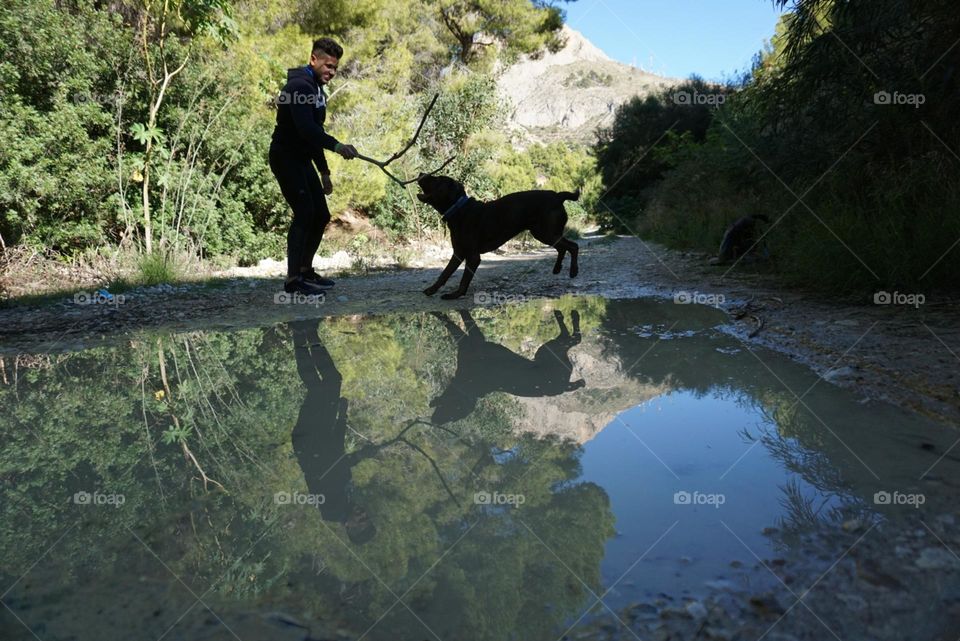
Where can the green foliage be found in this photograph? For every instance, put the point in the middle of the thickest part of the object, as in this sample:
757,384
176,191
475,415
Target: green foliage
157,268
236,397
518,25
57,120
86,131
818,118
630,153
585,80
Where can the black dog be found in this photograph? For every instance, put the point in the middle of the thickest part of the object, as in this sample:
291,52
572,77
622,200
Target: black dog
477,228
740,239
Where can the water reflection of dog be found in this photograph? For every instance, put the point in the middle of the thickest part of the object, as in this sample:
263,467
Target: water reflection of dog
484,367
318,437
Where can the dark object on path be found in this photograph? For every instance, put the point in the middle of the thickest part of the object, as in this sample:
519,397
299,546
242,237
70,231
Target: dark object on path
477,227
740,240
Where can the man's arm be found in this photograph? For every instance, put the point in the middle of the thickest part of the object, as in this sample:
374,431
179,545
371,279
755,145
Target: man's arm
320,161
301,111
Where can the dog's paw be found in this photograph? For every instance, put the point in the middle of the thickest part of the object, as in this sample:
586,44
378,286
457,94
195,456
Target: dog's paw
430,291
451,295
574,271
557,268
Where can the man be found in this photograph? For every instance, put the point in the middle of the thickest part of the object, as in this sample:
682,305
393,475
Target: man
298,138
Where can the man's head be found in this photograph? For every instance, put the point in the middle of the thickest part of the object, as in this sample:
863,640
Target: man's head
325,58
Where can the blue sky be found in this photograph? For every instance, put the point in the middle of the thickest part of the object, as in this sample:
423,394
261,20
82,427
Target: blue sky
713,38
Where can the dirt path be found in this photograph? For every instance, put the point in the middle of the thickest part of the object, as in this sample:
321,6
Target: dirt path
904,354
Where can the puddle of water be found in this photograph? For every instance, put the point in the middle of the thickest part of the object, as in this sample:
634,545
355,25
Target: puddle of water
419,475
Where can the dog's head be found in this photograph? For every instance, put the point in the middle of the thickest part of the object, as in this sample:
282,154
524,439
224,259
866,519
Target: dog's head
440,192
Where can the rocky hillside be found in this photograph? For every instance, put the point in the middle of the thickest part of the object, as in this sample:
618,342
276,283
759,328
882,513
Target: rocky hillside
581,414
568,94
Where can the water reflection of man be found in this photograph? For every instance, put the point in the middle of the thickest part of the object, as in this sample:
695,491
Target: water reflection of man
320,432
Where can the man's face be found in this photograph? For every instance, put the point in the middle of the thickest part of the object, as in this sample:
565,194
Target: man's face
324,65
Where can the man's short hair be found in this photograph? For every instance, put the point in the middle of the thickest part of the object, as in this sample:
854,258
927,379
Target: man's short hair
328,46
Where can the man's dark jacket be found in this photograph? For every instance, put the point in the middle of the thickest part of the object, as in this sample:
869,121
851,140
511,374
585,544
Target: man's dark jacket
301,112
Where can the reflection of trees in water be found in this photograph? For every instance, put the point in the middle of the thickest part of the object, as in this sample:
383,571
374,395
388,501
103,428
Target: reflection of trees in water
236,397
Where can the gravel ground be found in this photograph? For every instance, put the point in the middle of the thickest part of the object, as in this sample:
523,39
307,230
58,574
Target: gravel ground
903,354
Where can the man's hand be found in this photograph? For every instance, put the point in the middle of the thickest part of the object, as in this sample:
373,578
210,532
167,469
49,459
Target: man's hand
349,152
327,184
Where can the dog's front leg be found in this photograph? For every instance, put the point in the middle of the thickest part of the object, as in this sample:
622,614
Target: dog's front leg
472,263
444,275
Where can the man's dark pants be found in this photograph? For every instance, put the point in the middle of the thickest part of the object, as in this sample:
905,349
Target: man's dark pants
303,191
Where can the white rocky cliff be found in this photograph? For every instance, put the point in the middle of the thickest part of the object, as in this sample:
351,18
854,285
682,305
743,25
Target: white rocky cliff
568,94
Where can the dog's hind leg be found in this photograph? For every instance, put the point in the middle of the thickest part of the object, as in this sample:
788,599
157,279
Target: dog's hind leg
553,236
560,254
568,245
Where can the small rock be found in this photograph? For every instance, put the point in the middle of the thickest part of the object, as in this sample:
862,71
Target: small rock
852,601
674,613
720,584
852,525
950,594
839,373
937,559
697,610
717,634
781,636
766,604
342,299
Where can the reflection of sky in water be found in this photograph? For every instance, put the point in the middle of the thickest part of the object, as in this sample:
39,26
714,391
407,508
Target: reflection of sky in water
680,443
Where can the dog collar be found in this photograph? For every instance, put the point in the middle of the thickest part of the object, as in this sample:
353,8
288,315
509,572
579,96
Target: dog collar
463,200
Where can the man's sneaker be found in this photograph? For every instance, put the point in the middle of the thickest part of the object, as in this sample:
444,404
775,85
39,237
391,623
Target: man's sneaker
301,286
314,278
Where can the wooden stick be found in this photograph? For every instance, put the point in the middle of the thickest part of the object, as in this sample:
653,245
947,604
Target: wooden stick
382,164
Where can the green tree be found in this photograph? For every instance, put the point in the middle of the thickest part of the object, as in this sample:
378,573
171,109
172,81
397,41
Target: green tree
520,25
165,29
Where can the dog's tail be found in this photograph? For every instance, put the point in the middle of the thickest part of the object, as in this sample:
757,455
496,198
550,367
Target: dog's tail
569,195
